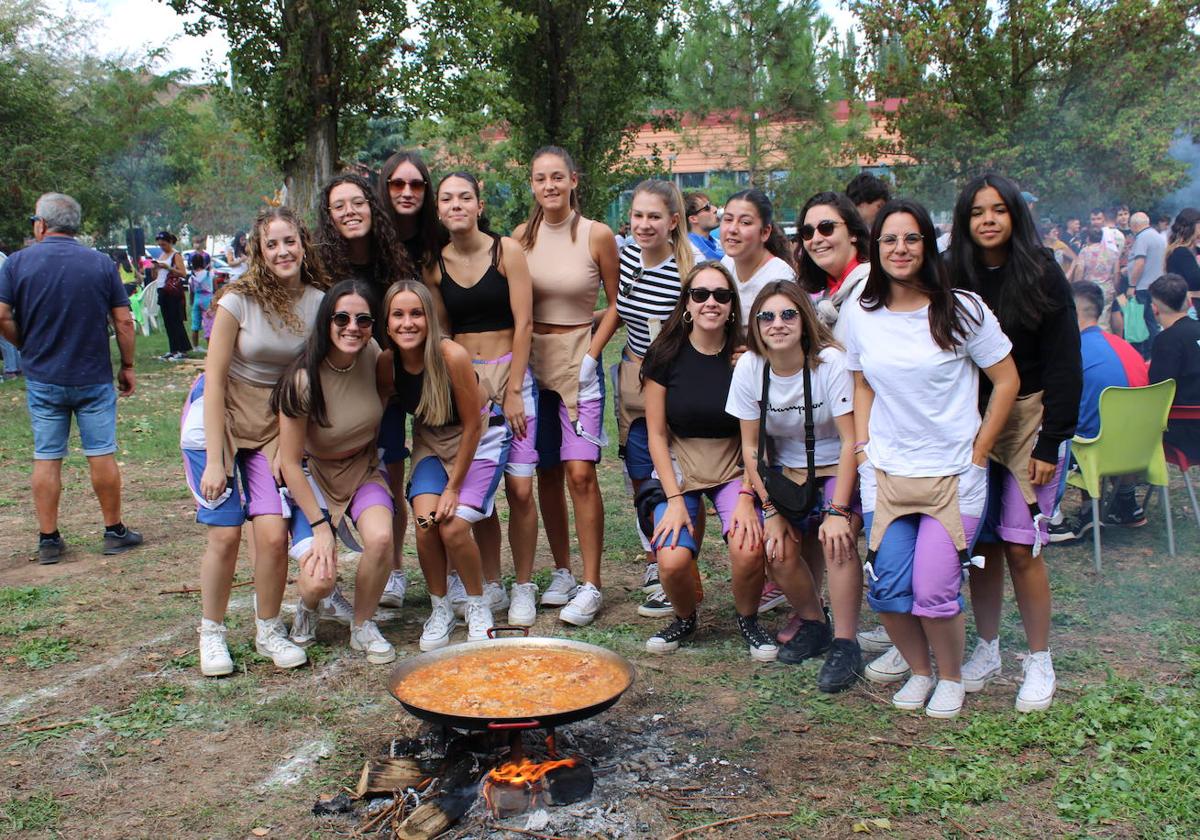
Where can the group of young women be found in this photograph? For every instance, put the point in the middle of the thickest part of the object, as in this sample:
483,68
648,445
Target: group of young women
807,395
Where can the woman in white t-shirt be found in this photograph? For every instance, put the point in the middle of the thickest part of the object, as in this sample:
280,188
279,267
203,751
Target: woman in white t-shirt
916,346
756,251
831,258
230,436
786,336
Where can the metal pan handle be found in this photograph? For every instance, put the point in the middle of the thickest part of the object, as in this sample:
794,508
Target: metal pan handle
506,628
516,724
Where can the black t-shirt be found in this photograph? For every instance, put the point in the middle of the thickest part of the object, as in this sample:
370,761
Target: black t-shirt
1182,261
1176,355
697,390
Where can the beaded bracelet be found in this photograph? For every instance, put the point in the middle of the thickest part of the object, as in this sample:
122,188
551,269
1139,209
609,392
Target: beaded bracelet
838,510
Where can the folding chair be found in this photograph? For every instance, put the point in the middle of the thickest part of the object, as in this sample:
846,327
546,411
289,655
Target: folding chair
1130,441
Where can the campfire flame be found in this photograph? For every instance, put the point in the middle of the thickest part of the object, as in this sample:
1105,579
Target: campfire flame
525,772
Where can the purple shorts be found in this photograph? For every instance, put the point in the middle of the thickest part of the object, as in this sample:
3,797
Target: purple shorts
724,499
477,497
367,496
567,441
1008,517
812,522
522,452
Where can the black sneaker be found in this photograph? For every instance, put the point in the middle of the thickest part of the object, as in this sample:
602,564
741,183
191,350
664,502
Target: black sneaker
658,605
811,640
762,645
1125,512
1073,529
50,550
114,544
842,667
667,640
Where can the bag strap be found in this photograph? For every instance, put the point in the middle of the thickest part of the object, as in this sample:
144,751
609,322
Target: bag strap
810,433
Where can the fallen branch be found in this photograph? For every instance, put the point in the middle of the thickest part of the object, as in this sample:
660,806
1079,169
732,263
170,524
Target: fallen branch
46,727
967,831
24,721
911,745
730,821
190,590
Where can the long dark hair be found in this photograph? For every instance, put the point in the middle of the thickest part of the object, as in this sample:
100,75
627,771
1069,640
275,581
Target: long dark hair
389,258
948,310
776,244
1023,300
814,335
484,225
1183,229
669,343
288,397
420,247
238,245
529,235
810,275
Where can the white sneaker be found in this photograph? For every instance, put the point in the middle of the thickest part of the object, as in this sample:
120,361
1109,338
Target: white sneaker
650,582
914,693
888,668
436,633
393,591
304,625
335,607
875,641
367,638
983,666
456,595
561,590
271,641
1037,690
495,596
583,606
479,619
522,609
947,700
214,654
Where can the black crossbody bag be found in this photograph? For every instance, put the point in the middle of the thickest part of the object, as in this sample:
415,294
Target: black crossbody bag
794,501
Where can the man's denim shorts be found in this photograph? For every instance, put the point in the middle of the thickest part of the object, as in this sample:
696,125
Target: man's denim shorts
50,410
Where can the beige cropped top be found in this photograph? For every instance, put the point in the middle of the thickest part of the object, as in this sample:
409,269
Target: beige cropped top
352,407
566,280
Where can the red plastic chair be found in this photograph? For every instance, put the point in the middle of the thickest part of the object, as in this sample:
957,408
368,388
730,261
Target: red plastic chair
1177,457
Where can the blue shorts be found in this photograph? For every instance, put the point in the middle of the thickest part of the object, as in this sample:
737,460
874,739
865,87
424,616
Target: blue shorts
50,411
636,452
392,431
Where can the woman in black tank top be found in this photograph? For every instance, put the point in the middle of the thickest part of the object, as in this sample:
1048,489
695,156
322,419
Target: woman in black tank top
485,288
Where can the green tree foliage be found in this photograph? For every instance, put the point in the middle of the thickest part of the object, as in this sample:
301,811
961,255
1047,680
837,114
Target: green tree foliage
1076,99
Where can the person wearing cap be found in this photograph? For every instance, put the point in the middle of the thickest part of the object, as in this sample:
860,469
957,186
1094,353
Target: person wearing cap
170,285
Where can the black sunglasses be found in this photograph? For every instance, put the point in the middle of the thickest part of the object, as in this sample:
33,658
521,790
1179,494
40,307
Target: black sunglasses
768,317
625,287
415,184
33,219
362,320
825,228
719,295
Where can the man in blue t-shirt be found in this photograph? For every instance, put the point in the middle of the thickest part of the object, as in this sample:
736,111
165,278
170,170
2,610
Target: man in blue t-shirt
56,299
701,222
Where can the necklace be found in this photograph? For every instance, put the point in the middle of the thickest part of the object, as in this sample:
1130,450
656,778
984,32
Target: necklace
346,369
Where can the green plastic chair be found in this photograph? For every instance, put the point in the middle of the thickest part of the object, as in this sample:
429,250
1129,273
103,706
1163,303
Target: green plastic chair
1130,441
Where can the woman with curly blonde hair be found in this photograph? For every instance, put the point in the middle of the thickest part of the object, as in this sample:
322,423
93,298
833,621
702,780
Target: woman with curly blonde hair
261,324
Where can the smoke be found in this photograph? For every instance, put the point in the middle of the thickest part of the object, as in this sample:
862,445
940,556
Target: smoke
1185,149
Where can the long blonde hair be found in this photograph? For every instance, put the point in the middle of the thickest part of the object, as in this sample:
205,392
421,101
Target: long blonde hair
436,406
681,246
259,282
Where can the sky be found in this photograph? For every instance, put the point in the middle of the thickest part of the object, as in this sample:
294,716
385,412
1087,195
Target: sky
132,25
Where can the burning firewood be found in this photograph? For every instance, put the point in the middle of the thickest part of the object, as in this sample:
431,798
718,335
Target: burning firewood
385,775
457,791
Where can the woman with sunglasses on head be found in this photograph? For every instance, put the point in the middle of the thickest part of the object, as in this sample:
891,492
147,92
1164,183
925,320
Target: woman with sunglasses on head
995,251
793,355
651,270
695,447
329,408
484,284
756,251
401,193
229,431
570,258
916,346
434,380
831,259
357,239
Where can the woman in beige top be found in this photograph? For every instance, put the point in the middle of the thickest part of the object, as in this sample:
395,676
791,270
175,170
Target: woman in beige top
569,258
329,404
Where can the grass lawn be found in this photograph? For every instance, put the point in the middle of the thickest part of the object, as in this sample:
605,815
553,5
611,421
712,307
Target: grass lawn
108,731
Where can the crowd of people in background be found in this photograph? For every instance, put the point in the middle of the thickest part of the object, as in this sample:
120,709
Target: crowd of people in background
873,376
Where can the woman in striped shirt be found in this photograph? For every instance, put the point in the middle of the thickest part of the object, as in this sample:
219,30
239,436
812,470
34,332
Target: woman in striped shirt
651,268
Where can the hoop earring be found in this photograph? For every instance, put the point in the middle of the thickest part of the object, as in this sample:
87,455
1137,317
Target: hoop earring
730,318
687,317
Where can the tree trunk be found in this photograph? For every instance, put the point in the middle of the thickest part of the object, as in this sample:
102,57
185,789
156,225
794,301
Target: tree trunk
306,173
